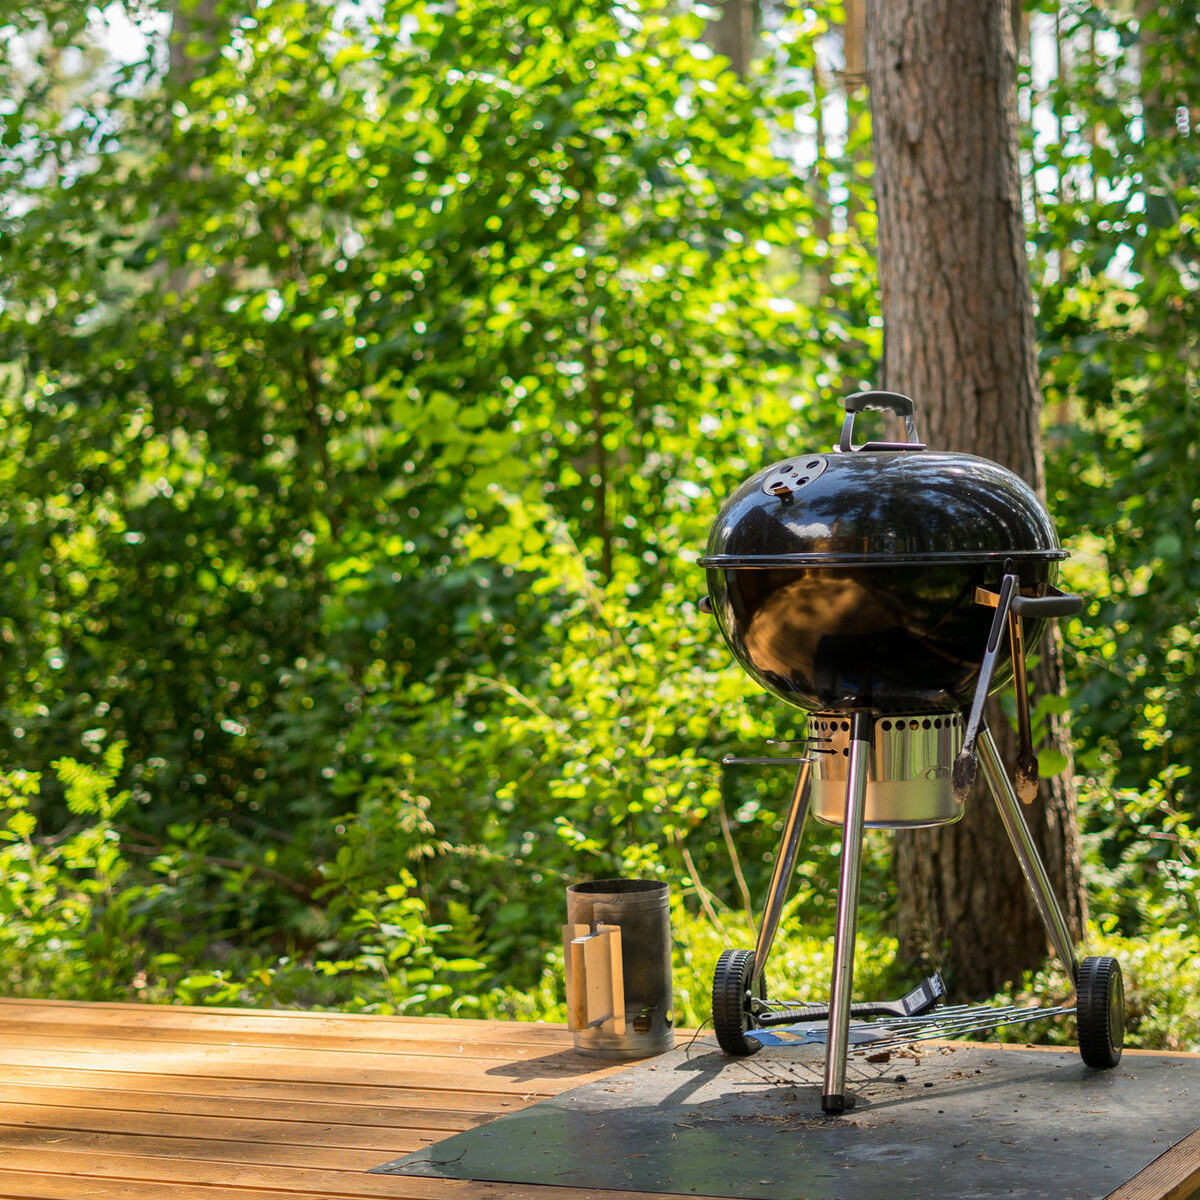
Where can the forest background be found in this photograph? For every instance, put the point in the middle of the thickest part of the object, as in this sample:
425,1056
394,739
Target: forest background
370,376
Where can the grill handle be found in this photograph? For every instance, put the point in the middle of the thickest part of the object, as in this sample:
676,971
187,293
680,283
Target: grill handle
1058,604
892,402
1053,604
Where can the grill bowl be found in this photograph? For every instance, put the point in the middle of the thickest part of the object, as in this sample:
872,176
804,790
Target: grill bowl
848,580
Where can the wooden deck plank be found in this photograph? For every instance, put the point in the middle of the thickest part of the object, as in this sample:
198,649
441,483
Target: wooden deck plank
390,1071
323,1184
478,1038
15,1097
202,1049
269,1090
24,1186
66,1011
1172,1176
247,1155
118,1119
148,1035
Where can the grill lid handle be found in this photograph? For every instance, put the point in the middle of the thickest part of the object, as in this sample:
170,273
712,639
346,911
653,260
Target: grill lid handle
892,402
1057,604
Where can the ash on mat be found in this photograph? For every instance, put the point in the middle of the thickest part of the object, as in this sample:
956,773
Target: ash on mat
970,1122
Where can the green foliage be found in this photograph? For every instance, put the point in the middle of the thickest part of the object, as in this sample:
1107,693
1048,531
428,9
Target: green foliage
1120,251
369,383
1162,989
72,918
81,923
300,374
1160,847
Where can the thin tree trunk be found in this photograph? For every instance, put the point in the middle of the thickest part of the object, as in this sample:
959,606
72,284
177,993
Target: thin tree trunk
192,44
959,322
823,209
733,33
854,79
854,33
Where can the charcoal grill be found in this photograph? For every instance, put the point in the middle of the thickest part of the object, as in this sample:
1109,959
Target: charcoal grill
886,589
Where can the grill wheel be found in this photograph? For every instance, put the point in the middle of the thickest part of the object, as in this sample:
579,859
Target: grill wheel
1100,1012
731,1001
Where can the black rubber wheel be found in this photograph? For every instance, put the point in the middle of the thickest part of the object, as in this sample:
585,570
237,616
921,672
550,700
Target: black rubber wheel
731,998
1100,1012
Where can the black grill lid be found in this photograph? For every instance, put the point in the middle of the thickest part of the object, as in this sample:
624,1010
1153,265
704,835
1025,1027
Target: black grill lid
881,507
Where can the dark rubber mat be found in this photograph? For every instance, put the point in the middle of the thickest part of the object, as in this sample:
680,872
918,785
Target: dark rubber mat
970,1122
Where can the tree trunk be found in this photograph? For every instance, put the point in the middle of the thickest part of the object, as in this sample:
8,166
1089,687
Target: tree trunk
192,45
958,323
854,31
733,33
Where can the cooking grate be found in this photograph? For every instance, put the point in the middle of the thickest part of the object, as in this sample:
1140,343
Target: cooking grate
951,1023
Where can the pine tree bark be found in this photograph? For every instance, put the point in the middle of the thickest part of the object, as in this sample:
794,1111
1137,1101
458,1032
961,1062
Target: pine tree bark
959,339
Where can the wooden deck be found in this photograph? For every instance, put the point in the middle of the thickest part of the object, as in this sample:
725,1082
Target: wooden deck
114,1101
108,1101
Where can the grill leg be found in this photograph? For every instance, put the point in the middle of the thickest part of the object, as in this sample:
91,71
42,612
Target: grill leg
1027,855
833,1099
785,861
